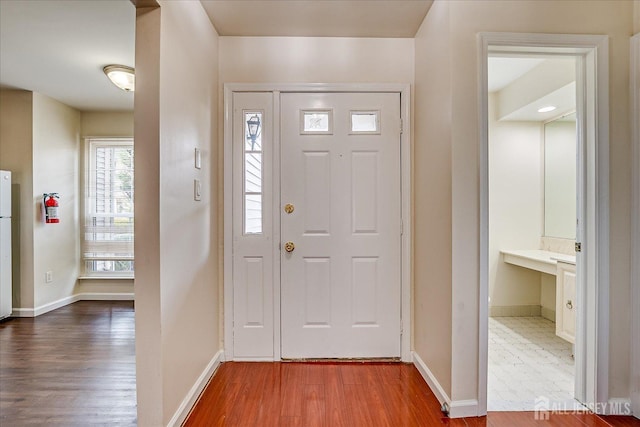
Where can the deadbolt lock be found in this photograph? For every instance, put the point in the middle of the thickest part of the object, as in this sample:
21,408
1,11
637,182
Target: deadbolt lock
289,246
288,208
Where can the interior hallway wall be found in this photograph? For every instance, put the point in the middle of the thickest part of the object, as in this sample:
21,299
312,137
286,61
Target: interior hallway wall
432,327
176,255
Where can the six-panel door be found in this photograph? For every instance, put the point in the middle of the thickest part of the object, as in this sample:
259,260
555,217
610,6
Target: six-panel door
340,170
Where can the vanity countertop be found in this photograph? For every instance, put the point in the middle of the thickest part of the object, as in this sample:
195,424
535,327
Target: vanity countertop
537,259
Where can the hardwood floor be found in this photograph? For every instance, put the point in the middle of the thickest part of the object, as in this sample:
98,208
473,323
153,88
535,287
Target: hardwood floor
344,394
74,366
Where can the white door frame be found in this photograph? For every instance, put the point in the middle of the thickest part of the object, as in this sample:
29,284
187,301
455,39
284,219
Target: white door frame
592,328
635,218
405,170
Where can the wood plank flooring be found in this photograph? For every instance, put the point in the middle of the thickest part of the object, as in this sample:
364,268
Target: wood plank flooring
345,394
74,366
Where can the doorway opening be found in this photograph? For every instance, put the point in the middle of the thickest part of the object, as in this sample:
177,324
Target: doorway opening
544,222
532,230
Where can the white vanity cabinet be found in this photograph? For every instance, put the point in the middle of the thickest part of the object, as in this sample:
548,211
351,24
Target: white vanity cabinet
564,268
566,301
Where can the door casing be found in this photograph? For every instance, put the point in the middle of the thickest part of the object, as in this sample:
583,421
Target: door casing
405,170
635,215
592,356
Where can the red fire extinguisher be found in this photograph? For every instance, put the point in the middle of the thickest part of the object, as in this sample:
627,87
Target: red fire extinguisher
51,208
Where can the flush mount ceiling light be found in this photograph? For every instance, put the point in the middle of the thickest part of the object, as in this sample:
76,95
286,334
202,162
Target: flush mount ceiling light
121,76
546,109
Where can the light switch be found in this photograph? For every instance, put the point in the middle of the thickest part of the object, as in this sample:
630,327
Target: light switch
198,159
197,190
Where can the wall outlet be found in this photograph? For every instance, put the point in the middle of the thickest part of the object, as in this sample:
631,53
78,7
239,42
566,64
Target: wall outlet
48,277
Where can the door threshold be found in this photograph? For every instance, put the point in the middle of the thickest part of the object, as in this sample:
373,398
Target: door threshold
348,360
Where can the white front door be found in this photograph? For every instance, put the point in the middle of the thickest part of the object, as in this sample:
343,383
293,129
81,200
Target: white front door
341,212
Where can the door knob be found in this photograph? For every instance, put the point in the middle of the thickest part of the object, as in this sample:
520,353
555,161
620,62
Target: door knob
569,304
289,246
288,208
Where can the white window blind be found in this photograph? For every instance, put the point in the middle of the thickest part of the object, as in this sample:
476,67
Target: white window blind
107,245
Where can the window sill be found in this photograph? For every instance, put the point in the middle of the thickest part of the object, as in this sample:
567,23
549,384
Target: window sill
105,278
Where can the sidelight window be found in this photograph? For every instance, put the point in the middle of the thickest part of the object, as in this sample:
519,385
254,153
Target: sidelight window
253,174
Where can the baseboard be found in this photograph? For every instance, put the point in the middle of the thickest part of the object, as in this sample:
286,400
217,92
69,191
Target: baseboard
254,359
85,296
431,380
191,398
548,314
106,296
45,308
457,408
515,311
463,408
22,312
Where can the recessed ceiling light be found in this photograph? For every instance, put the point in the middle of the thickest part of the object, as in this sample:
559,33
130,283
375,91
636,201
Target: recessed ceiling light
546,109
121,76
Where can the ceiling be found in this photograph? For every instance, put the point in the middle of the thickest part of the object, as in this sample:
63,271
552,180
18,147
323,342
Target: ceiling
59,47
505,71
317,18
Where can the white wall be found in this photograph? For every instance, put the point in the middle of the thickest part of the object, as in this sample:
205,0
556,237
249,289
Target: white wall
548,296
516,168
107,124
176,282
16,153
56,151
462,20
432,327
39,143
315,60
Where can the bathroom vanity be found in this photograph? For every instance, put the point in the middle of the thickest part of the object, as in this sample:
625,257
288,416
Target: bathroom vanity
566,301
563,267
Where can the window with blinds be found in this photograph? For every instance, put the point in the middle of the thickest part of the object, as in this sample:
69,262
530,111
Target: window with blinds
107,244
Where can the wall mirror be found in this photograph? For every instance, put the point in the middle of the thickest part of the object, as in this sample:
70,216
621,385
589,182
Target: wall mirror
560,144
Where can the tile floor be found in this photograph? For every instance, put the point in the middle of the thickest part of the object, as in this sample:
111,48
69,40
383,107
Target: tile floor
527,361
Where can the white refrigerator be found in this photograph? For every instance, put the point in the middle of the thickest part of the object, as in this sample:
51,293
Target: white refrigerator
5,244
